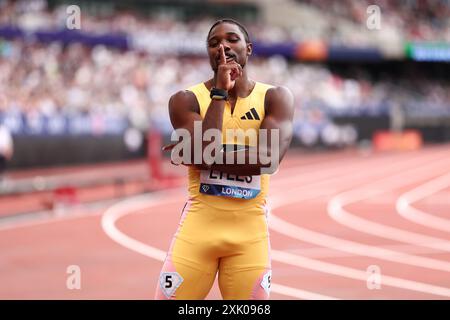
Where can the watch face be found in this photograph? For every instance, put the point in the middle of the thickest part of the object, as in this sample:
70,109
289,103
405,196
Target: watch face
218,94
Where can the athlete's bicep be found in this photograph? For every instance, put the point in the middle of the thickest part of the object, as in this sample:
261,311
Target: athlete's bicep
184,112
279,115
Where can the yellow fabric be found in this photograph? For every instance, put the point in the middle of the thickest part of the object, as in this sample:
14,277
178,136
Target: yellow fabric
208,240
231,121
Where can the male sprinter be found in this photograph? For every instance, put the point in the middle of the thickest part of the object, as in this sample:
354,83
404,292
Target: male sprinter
223,226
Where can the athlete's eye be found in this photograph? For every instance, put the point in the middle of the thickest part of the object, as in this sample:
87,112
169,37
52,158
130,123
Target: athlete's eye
213,43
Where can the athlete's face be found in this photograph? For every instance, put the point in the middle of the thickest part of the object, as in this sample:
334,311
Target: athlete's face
233,41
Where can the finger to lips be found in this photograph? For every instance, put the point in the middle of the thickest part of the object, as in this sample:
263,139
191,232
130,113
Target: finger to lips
223,59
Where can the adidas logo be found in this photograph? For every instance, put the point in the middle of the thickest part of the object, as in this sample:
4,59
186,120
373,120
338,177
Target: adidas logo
251,115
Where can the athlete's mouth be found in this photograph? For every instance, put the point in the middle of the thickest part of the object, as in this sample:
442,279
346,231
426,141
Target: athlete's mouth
229,57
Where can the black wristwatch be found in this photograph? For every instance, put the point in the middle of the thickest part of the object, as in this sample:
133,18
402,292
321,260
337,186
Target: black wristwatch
218,94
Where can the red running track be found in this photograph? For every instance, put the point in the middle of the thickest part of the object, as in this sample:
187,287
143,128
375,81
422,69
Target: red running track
335,219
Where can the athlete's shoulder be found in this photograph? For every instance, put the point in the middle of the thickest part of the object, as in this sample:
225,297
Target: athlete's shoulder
280,95
182,97
184,100
279,91
188,93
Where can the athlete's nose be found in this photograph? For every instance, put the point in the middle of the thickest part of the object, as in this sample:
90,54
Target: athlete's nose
226,47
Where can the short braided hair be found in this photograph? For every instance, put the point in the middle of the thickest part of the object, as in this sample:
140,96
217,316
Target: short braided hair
227,20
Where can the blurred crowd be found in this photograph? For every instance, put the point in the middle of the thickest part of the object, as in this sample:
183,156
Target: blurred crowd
48,80
414,19
409,20
157,34
44,84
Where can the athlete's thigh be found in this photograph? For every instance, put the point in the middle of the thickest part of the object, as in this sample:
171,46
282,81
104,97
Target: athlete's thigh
190,266
247,273
184,282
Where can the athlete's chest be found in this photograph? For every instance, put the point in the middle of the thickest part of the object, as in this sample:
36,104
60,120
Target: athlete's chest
245,113
242,112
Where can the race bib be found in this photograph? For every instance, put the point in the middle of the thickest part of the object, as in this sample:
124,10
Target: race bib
222,184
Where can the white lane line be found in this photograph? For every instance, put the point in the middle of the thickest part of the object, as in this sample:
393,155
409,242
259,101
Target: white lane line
404,208
318,266
340,244
298,293
126,207
317,252
352,273
375,188
321,239
296,195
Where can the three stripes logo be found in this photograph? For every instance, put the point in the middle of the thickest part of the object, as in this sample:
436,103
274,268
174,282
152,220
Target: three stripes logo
251,115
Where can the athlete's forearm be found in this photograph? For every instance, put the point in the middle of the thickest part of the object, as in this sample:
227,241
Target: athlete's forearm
213,120
214,116
246,162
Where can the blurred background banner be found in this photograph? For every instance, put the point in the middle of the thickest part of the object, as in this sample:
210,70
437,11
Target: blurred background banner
85,85
119,68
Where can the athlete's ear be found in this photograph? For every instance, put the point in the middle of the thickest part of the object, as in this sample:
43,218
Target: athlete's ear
249,49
